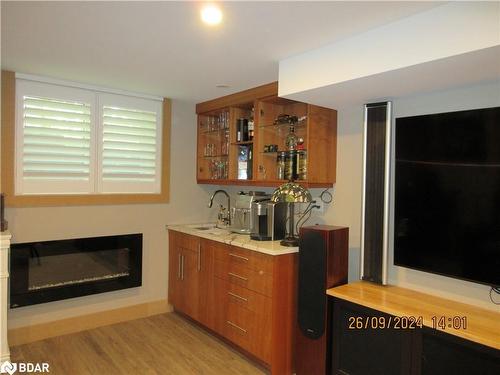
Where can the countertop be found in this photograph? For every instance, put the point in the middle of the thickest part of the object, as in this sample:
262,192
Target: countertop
483,326
235,239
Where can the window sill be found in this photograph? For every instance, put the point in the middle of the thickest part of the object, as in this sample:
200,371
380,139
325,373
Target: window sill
83,200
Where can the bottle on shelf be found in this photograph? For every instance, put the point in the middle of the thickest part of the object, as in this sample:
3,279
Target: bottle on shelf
300,144
242,130
251,126
280,165
291,139
301,165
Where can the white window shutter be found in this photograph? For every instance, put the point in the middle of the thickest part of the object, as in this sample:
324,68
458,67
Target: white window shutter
78,140
130,142
54,141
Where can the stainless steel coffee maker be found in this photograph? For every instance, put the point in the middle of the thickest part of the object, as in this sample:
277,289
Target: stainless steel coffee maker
241,212
268,220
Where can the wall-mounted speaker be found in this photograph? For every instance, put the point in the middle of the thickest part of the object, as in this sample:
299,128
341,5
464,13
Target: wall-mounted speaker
376,182
323,264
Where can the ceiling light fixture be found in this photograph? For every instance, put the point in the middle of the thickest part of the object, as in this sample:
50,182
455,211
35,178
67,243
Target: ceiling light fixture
211,15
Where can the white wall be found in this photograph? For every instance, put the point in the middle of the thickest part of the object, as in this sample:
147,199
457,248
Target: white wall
451,29
188,203
346,209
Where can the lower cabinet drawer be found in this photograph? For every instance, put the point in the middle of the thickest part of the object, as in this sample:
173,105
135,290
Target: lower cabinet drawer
245,319
257,281
247,258
246,298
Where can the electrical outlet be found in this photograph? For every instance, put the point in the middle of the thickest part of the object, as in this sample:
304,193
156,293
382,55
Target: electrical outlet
320,205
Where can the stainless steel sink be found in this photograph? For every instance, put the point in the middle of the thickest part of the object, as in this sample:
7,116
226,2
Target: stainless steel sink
209,228
203,227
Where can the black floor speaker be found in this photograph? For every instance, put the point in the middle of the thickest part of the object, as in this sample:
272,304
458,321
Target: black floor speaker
376,184
323,263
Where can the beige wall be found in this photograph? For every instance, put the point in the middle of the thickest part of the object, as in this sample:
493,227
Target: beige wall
188,203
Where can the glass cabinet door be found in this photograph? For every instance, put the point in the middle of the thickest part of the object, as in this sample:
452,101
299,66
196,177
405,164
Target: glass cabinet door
213,146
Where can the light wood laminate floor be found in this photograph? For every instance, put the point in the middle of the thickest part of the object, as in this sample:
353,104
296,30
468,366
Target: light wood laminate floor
161,344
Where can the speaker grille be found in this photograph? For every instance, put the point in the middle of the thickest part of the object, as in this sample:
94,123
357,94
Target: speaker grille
375,160
312,279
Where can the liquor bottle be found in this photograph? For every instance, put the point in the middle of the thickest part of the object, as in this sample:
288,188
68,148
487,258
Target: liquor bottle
251,126
291,139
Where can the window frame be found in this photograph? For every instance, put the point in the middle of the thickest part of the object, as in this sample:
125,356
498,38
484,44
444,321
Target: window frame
8,167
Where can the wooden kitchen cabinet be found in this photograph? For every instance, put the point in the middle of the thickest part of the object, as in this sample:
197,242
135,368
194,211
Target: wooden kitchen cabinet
184,278
205,271
243,282
190,270
218,147
247,297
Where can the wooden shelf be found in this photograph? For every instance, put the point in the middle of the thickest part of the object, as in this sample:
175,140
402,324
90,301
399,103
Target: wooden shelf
242,143
483,326
263,183
215,132
273,153
214,156
299,125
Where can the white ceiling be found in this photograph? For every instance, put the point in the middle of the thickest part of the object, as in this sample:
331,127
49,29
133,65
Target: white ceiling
162,48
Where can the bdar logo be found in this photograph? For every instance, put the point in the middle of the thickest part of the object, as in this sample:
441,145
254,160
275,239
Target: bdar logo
8,367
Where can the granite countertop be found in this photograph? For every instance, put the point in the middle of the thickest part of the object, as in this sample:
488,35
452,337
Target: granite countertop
235,239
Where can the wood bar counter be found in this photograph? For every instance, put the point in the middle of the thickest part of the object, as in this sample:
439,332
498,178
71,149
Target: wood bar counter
483,326
391,330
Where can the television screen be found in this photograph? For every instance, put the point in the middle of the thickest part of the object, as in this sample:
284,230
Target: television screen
447,194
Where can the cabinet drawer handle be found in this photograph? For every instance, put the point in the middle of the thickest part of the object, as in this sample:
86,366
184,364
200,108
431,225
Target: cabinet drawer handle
237,276
237,296
182,268
236,326
179,270
238,256
199,257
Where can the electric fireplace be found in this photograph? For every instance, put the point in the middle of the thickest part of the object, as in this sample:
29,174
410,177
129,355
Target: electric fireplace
55,270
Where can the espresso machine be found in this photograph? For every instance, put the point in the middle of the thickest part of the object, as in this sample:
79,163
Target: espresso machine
241,212
268,220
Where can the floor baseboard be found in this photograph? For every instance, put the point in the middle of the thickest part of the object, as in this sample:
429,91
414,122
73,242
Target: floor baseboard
36,332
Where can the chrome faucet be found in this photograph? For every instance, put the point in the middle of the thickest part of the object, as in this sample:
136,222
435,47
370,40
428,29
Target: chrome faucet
224,216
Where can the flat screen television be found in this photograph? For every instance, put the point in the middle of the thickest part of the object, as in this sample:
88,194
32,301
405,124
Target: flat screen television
447,194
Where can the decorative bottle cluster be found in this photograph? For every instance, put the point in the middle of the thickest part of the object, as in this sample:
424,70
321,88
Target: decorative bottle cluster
292,163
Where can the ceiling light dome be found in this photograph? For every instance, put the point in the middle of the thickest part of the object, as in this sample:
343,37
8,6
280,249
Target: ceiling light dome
211,14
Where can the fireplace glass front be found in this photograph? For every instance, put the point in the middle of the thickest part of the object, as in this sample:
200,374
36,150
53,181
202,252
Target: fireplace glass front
54,270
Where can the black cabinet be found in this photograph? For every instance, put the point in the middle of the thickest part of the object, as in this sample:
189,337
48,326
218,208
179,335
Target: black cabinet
366,351
362,347
442,353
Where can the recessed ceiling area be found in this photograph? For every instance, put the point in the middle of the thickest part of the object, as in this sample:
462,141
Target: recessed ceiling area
162,48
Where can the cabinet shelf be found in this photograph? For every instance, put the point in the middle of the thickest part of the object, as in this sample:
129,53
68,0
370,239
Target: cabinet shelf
299,125
214,156
216,131
263,183
318,129
269,153
273,153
